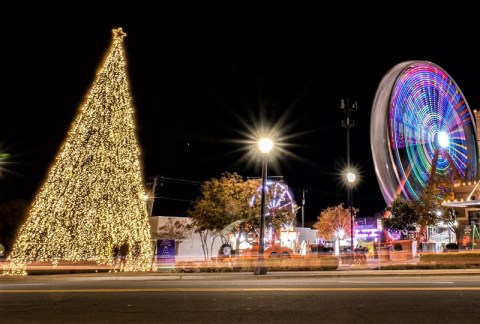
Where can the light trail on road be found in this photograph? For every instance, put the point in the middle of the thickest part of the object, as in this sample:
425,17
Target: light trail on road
290,289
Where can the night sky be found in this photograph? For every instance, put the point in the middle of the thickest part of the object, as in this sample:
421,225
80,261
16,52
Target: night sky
199,81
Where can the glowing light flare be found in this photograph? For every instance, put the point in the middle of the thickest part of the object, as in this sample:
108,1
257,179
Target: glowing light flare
443,139
265,145
351,177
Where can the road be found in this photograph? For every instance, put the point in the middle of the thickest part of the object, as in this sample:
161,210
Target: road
240,298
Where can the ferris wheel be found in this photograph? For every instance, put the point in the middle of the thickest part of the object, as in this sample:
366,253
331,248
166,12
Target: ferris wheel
421,125
278,198
279,206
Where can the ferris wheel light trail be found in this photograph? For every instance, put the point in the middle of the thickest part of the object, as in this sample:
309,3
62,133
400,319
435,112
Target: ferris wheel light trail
421,125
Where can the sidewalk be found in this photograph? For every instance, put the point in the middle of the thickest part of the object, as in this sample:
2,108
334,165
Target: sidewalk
234,276
373,268
377,264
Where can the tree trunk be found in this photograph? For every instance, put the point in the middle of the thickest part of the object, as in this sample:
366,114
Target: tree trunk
177,245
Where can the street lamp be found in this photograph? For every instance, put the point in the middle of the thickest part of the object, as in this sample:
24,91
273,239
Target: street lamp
351,181
348,123
265,145
379,245
340,233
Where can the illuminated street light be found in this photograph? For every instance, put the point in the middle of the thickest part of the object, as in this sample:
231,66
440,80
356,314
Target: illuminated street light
265,145
351,177
348,123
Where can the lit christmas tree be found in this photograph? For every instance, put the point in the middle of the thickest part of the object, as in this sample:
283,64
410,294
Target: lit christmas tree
92,201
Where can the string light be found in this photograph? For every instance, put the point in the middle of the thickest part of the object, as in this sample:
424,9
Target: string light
92,200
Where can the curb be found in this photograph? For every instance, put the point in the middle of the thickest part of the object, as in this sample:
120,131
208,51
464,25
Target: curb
234,276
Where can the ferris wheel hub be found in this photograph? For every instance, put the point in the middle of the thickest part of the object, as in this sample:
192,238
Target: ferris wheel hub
443,139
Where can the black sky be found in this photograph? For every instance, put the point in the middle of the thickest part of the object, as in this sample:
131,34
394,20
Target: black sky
196,78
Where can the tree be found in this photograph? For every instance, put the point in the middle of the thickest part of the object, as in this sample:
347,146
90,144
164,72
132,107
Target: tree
12,214
224,203
175,230
429,206
333,219
93,197
403,217
229,205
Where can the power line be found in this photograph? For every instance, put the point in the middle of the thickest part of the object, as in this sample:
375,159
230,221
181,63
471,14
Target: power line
176,199
198,183
337,194
180,181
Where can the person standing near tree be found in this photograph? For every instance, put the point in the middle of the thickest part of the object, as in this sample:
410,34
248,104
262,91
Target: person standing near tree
124,249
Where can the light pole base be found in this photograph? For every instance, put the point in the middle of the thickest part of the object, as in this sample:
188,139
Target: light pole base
260,270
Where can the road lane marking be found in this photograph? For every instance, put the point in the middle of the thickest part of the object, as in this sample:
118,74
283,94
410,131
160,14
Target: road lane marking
387,282
132,290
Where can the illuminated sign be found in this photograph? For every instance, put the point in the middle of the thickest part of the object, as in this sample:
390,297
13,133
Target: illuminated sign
367,233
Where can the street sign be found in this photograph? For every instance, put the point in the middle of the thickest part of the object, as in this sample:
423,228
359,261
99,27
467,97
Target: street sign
165,254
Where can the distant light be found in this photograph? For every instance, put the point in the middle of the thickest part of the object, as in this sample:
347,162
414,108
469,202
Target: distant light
265,145
341,233
4,156
351,177
443,139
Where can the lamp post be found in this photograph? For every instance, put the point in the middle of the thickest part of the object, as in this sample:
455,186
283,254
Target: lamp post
351,181
348,123
265,145
340,233
379,245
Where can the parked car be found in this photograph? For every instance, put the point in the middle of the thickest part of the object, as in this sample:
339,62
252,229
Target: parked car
272,251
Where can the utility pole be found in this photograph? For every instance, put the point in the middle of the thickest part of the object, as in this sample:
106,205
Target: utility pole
348,123
152,196
303,207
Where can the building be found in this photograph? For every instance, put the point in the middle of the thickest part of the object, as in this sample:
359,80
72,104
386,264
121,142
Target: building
190,249
466,203
467,195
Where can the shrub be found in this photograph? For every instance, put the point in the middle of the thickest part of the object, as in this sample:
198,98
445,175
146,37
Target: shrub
320,263
466,258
